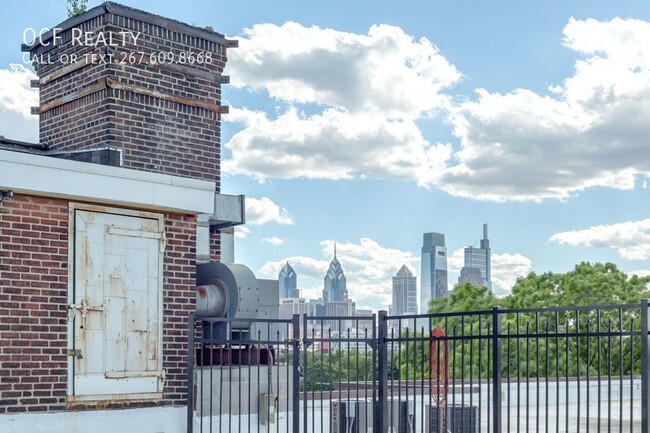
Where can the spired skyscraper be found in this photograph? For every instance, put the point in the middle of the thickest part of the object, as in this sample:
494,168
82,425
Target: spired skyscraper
478,258
288,282
335,288
405,292
433,269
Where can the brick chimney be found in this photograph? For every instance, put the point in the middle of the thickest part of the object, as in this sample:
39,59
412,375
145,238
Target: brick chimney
123,78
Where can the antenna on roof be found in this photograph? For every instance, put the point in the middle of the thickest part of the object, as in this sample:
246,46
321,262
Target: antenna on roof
334,249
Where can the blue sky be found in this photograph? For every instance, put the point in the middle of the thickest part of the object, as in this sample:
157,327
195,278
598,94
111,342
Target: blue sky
370,123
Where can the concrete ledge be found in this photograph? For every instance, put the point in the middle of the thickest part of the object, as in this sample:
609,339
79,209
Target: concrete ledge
41,175
146,420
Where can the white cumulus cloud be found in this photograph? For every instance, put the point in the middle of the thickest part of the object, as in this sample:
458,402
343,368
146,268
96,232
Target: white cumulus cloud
16,100
591,131
631,239
639,273
506,268
365,93
242,232
273,240
264,210
331,145
385,71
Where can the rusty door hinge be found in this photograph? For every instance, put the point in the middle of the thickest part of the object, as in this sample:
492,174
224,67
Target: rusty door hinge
75,352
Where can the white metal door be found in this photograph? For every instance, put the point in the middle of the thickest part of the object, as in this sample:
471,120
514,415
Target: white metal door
117,305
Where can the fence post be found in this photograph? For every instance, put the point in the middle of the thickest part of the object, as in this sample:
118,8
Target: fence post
382,333
305,373
190,373
645,373
496,370
296,372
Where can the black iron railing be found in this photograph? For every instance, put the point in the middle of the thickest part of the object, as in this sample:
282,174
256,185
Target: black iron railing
243,375
578,369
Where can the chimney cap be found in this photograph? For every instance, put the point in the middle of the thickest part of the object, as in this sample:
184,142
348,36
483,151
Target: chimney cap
136,14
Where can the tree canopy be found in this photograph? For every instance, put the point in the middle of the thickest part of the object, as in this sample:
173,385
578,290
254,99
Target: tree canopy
77,7
586,284
560,342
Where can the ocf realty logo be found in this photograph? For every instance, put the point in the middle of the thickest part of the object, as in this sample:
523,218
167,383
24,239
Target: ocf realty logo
52,36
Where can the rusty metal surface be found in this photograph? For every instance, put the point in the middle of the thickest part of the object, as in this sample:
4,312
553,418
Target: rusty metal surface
80,63
439,367
210,355
100,85
116,308
114,84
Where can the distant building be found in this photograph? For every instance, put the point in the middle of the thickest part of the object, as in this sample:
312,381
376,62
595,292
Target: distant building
405,294
479,258
335,288
288,282
363,325
351,340
345,309
288,307
315,308
433,273
470,275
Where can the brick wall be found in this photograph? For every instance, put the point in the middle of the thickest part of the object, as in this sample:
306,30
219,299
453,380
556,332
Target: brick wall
33,304
156,134
178,302
34,298
215,247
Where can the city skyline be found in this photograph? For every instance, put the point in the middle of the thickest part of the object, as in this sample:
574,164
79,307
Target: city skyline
404,292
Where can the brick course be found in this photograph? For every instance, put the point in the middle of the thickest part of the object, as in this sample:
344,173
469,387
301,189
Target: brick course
33,304
156,135
34,299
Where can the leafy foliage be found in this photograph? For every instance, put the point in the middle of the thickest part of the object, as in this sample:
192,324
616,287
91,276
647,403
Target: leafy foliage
534,342
324,369
77,7
542,343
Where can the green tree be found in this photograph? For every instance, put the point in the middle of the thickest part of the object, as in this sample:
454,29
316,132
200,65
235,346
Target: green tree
563,347
77,7
468,348
465,297
586,284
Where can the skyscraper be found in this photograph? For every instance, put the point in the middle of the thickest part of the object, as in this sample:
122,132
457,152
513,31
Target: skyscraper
335,289
288,282
434,269
470,275
405,292
480,259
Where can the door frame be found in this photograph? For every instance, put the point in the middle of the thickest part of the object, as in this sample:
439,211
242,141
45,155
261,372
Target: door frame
72,209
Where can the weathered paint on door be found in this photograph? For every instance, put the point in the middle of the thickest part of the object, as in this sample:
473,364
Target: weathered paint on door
117,309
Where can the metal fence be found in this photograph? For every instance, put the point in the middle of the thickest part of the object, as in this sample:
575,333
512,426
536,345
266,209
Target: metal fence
578,369
340,368
243,375
536,370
